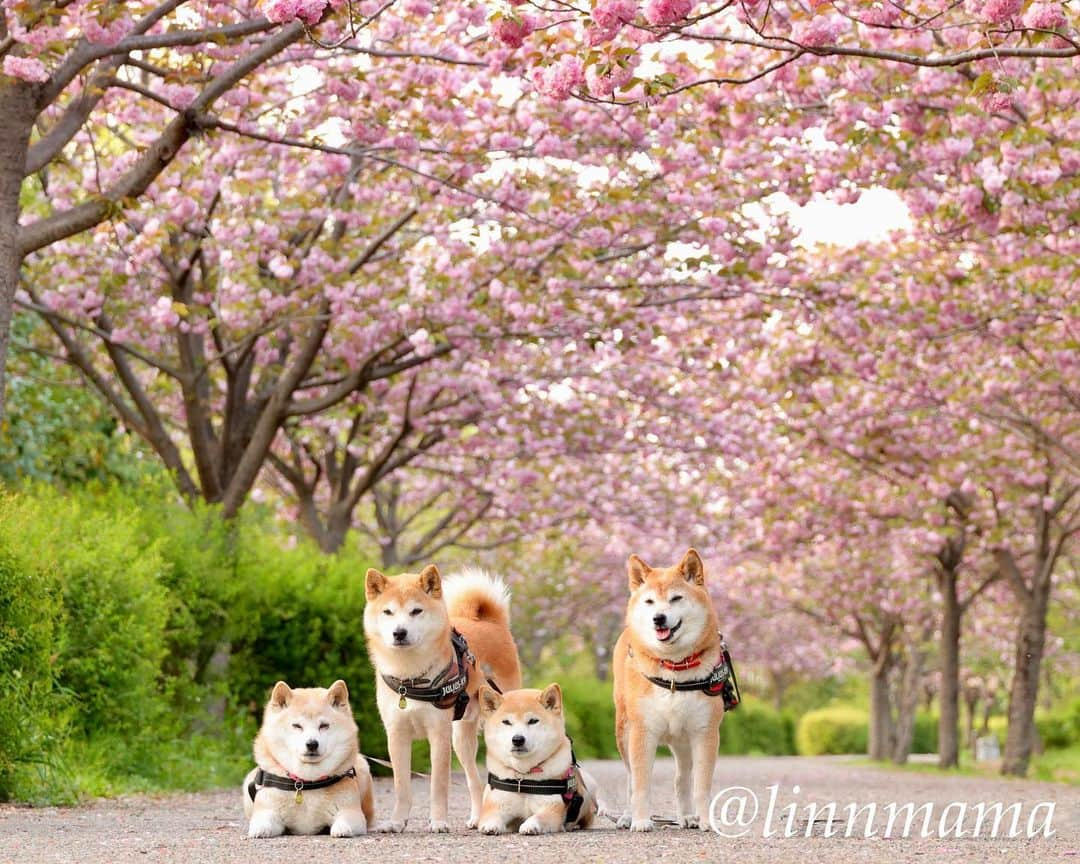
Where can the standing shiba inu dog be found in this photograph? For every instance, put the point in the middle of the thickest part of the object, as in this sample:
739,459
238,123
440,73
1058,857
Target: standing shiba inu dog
534,782
669,671
311,775
433,643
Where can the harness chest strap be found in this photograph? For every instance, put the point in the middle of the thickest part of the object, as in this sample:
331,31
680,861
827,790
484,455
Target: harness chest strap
721,681
569,787
292,783
448,689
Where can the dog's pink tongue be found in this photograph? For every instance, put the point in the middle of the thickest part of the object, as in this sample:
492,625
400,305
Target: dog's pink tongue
662,633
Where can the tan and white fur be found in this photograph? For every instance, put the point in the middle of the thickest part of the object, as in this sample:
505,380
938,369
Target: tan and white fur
525,735
421,609
669,616
309,733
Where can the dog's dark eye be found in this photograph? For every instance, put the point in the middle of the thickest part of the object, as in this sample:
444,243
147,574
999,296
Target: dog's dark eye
506,722
416,612
649,601
533,721
676,598
297,726
324,726
387,612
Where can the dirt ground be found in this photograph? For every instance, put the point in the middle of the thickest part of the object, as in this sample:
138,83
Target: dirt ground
209,827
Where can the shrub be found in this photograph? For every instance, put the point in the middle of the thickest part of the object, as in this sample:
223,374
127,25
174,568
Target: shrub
1060,729
925,739
33,716
839,729
757,729
139,640
590,716
299,618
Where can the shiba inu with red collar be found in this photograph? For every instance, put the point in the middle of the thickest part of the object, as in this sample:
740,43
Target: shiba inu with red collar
670,671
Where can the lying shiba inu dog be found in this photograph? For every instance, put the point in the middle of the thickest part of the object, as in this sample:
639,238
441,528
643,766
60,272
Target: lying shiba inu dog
670,673
311,775
433,643
534,782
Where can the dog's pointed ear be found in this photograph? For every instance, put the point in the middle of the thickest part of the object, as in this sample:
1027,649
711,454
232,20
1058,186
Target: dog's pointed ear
551,698
374,583
691,567
281,695
637,570
338,694
431,581
490,700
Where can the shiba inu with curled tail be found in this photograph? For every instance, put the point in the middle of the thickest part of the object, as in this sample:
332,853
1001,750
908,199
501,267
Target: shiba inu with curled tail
310,773
670,672
433,643
535,785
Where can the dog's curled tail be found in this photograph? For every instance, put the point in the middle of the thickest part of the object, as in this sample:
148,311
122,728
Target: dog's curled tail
478,595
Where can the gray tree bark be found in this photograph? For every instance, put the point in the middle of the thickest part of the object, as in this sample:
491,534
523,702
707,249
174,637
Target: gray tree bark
17,111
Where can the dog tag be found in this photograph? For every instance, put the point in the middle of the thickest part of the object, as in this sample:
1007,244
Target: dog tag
299,796
402,704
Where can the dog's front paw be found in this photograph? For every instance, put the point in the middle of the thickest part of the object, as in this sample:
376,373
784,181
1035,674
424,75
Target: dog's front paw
346,828
265,825
390,826
532,825
623,821
491,826
641,825
438,826
688,822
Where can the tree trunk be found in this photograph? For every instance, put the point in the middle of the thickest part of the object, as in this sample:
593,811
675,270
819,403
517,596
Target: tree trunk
907,702
972,703
882,729
1030,641
17,111
949,695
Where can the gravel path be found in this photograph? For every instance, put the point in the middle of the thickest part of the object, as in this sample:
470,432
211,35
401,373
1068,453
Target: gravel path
208,827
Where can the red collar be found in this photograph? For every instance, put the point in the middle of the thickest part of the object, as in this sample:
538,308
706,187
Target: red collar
681,665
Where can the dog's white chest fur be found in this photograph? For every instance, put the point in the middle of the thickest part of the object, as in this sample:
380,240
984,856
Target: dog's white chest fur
677,715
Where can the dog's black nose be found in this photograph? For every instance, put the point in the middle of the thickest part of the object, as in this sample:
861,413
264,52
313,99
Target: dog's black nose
659,620
400,634
518,740
312,745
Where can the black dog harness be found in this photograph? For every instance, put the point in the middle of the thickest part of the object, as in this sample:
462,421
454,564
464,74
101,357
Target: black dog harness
721,681
569,787
265,780
448,689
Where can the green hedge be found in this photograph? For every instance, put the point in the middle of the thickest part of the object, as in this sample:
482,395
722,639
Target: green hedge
139,640
839,729
1060,729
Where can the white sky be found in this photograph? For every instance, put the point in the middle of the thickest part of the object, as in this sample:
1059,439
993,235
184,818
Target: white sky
870,219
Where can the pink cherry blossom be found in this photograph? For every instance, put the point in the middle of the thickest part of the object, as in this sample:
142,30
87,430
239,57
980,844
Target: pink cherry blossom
26,68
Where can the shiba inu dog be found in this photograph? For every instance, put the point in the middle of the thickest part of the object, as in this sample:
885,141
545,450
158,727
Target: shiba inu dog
310,773
670,672
433,643
535,785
